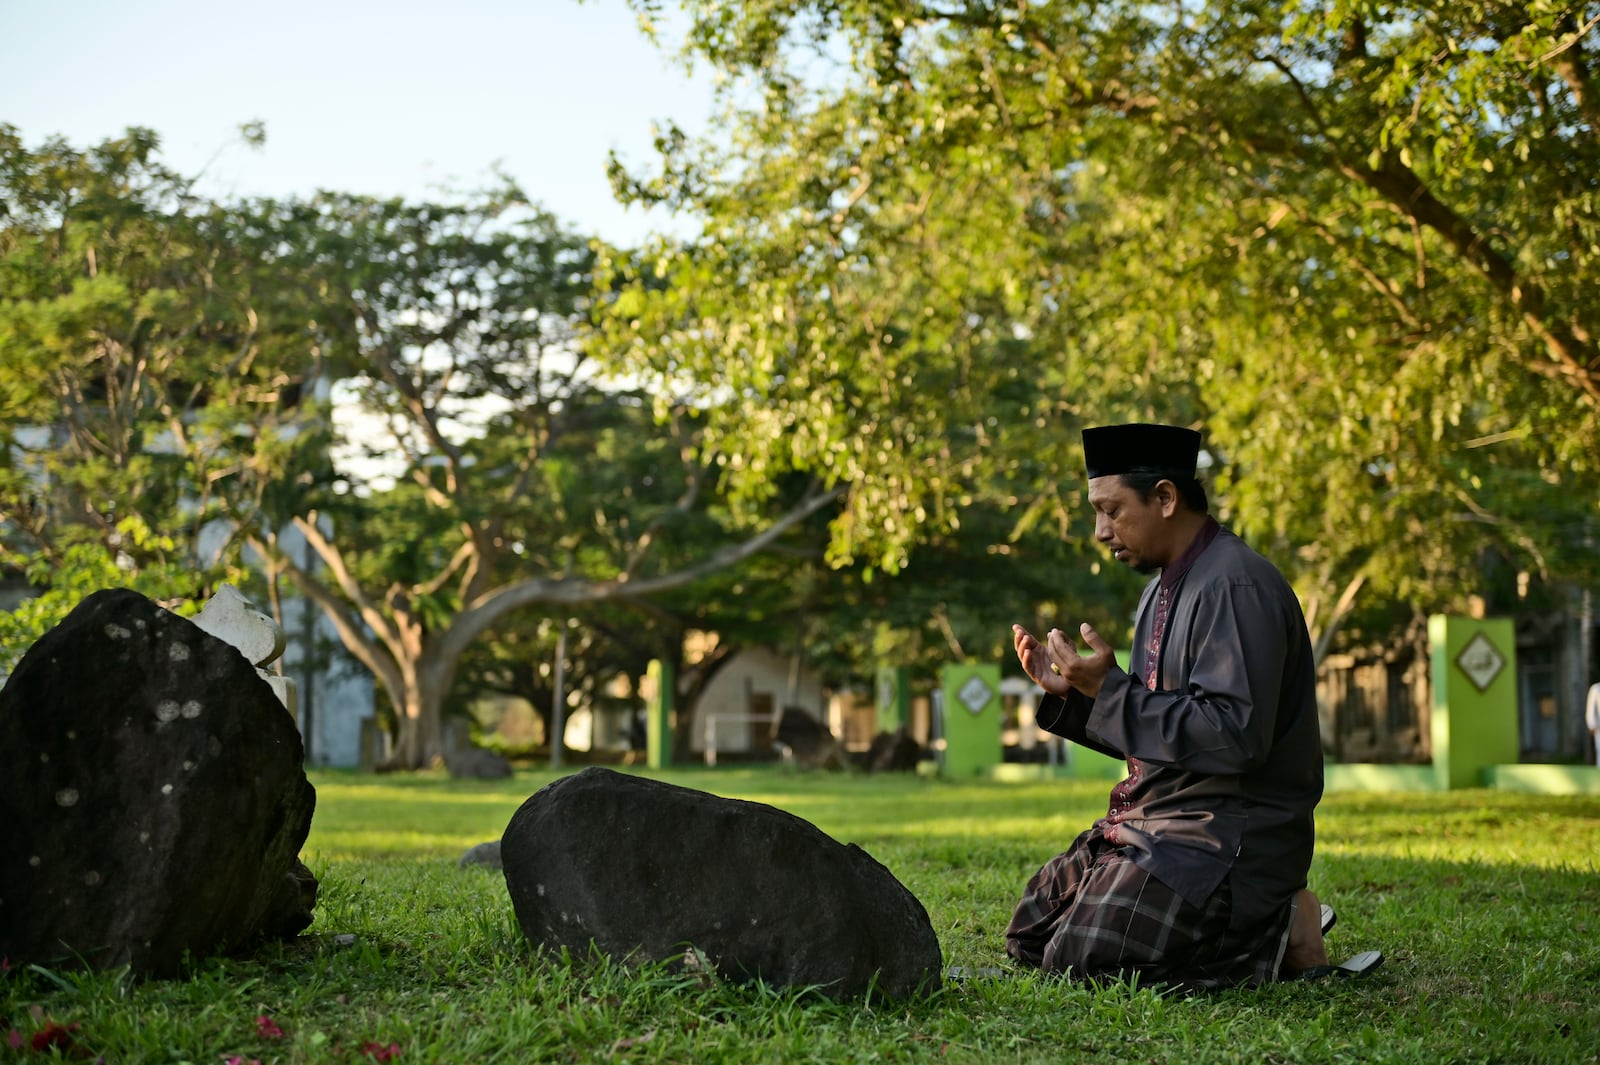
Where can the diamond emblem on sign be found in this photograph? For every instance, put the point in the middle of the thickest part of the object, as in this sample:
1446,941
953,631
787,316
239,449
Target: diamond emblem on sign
1481,661
975,694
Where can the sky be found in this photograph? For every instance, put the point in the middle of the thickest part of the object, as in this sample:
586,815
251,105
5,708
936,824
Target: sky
394,98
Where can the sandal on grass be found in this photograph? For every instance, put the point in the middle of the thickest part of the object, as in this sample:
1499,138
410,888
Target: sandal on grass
1363,964
960,974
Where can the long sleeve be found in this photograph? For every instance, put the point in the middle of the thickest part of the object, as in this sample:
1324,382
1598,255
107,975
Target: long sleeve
1066,716
1223,718
1229,759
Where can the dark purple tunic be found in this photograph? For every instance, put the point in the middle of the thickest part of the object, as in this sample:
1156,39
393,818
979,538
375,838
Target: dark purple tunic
1225,754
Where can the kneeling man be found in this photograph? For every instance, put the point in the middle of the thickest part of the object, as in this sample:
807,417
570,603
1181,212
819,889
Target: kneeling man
1197,873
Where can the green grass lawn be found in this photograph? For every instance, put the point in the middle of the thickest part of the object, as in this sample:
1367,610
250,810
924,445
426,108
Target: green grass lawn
1487,906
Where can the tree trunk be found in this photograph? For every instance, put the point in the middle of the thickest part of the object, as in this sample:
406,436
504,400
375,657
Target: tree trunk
416,665
1341,610
420,713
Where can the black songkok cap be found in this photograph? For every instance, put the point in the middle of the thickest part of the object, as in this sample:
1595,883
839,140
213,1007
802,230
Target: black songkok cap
1170,450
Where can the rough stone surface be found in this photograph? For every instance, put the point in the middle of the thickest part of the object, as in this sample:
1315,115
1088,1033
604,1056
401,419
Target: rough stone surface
475,763
893,752
809,741
154,796
484,854
646,870
289,908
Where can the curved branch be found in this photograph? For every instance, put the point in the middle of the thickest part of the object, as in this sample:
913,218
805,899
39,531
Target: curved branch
1569,63
361,646
467,551
1573,352
1341,610
1399,185
478,617
366,609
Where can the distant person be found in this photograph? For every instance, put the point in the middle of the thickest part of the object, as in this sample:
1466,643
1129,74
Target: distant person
1196,876
1591,715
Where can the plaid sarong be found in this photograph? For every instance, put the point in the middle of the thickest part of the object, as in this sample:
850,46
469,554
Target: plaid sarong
1092,912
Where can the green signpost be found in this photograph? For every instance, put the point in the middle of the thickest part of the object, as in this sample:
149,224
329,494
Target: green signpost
971,719
893,698
1474,722
663,683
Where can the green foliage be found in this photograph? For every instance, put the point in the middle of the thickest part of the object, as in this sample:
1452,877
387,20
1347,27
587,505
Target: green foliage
1350,243
455,365
489,480
86,567
141,379
391,404
1471,896
611,477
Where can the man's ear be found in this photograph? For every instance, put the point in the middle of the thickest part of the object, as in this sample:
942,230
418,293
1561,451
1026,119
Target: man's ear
1167,496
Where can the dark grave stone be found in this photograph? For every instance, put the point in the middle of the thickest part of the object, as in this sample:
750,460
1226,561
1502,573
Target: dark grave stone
153,793
809,741
651,871
483,854
893,752
475,763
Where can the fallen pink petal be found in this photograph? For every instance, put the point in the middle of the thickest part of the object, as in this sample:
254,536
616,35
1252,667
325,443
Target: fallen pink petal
379,1052
266,1026
57,1036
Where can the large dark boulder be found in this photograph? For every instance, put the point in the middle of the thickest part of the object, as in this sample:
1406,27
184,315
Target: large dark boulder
153,795
645,870
893,752
809,742
475,763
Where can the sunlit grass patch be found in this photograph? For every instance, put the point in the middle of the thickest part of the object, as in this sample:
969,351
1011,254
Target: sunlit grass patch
1487,906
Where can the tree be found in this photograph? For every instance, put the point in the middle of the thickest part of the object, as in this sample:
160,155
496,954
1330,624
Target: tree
138,378
493,494
176,373
1352,243
613,466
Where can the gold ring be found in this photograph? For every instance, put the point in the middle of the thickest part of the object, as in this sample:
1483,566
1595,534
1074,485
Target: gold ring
1055,669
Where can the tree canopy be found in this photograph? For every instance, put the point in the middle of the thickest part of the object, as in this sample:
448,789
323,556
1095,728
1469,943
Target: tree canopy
399,389
494,435
139,381
1354,244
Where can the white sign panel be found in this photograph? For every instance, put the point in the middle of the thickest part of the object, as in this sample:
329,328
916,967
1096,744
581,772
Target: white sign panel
1481,661
975,694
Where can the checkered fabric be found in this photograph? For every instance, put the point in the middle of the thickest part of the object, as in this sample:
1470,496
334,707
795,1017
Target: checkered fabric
1091,912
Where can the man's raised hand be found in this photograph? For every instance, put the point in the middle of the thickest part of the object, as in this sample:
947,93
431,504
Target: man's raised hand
1035,661
1083,672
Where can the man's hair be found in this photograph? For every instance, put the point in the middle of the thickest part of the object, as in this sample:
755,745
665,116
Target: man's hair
1143,480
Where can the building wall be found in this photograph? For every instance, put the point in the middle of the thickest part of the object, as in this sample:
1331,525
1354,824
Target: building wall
756,683
337,693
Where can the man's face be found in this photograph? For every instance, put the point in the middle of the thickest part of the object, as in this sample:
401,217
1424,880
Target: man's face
1134,529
